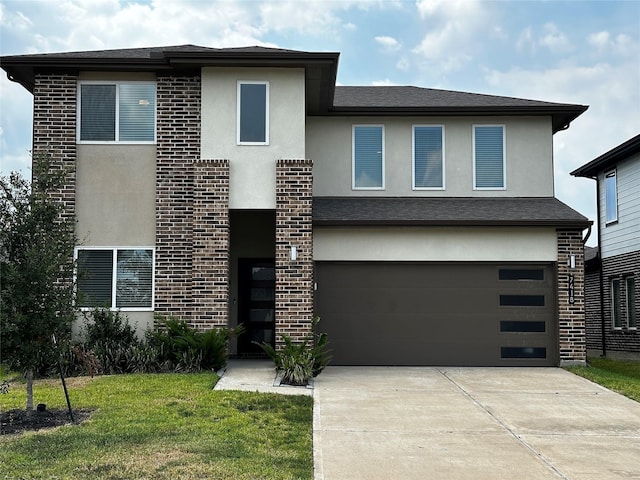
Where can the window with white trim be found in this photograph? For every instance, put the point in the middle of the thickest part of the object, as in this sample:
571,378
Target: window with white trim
368,157
122,112
428,157
630,284
611,196
488,157
115,278
253,113
616,307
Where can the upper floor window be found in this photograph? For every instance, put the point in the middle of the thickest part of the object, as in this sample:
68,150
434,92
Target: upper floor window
253,113
117,112
115,278
428,157
368,157
488,157
611,197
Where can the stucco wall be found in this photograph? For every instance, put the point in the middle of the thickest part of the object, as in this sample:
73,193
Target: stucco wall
529,156
477,244
252,167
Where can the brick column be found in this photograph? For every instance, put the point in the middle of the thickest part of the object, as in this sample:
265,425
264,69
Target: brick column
210,243
178,147
54,130
294,278
571,308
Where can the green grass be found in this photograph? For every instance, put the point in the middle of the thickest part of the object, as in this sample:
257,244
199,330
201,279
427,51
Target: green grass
166,426
619,376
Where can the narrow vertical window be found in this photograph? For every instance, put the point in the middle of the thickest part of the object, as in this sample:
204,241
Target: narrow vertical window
611,197
368,157
616,311
253,113
428,157
488,157
631,304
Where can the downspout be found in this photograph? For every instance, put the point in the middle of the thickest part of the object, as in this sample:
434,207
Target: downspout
603,330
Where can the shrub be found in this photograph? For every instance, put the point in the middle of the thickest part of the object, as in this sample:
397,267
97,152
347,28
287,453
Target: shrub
298,363
187,349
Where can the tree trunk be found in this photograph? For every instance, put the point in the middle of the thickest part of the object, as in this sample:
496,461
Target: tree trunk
29,376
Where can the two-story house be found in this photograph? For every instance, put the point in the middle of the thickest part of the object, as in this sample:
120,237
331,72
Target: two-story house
613,274
241,185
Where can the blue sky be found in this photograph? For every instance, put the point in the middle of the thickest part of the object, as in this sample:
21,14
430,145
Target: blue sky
585,52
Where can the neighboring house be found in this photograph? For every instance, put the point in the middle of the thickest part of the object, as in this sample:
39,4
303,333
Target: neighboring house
241,185
614,273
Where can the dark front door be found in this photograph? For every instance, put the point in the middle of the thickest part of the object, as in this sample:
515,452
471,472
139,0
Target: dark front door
256,295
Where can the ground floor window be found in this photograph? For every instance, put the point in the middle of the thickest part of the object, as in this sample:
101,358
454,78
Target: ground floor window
115,278
630,283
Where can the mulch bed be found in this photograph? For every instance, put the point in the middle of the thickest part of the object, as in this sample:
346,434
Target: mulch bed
18,421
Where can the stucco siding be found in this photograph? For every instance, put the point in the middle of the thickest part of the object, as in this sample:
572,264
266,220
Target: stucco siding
529,156
115,195
473,244
252,167
622,236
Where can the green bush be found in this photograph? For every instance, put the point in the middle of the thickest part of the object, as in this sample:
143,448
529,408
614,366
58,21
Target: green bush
187,349
298,363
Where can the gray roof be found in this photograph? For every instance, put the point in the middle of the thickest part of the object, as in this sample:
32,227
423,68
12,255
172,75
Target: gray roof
445,211
322,95
609,159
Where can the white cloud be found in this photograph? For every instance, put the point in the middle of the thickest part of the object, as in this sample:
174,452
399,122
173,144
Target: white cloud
383,83
403,64
389,44
604,42
555,40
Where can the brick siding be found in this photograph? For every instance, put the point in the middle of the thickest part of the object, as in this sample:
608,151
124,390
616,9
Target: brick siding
294,278
54,130
621,266
571,315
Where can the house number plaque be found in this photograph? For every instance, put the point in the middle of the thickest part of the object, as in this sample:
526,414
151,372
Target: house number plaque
571,290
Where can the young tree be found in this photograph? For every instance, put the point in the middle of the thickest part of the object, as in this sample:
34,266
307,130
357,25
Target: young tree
36,276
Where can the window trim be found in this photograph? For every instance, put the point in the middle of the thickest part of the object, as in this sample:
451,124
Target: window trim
630,296
117,84
616,319
413,158
504,157
611,174
239,84
114,276
353,156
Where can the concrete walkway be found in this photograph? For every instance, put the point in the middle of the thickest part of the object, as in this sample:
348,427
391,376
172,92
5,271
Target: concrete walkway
460,423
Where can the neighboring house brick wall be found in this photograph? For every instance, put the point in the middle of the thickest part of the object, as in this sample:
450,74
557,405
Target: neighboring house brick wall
210,243
294,278
178,147
571,316
54,129
621,266
592,312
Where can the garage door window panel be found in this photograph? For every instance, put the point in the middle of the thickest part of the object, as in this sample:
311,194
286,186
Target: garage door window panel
522,301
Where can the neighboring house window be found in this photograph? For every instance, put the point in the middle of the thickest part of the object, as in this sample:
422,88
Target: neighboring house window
611,196
616,311
368,157
428,157
488,157
117,112
115,278
253,113
631,305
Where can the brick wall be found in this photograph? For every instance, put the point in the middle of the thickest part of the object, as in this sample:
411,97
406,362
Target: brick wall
621,266
178,147
294,278
210,243
54,129
571,312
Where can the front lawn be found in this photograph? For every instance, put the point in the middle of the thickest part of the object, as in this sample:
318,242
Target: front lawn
619,376
162,426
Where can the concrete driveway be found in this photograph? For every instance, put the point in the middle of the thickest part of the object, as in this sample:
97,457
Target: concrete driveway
471,423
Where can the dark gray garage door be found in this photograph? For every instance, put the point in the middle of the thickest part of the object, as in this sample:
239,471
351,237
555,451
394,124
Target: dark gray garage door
384,313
